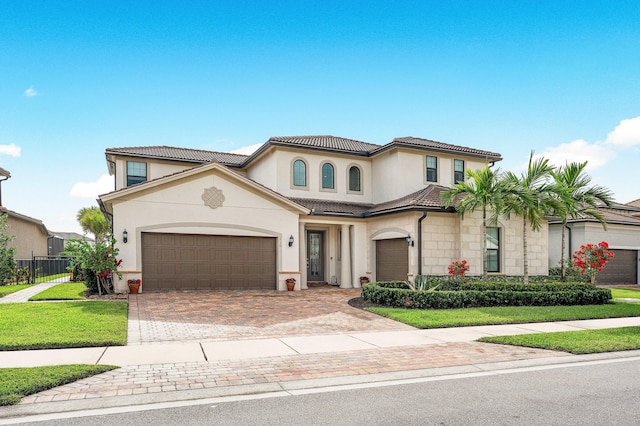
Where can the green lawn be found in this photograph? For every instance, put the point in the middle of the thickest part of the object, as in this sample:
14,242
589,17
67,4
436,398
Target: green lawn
51,277
438,318
8,289
576,342
619,293
16,383
67,291
62,325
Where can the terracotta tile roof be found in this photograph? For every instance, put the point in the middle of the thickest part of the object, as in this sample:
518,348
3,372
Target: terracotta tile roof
5,172
611,216
427,198
182,154
427,144
333,207
326,142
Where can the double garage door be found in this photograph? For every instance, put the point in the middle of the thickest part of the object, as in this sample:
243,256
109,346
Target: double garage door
207,262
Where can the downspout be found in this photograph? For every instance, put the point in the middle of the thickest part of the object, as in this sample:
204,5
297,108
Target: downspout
424,215
2,180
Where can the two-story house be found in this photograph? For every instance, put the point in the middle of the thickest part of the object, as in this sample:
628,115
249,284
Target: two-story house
313,208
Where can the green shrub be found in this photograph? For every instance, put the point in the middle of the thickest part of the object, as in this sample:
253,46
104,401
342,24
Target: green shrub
485,294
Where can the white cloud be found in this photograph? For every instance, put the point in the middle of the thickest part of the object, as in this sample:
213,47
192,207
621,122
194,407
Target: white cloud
626,134
91,190
596,154
247,150
31,92
12,150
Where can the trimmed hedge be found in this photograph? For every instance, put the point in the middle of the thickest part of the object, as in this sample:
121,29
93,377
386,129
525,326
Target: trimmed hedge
484,294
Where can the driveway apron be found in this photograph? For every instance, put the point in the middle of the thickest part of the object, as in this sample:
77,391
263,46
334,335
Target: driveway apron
185,316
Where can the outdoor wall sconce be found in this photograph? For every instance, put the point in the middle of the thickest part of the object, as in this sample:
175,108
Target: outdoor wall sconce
409,241
291,241
125,236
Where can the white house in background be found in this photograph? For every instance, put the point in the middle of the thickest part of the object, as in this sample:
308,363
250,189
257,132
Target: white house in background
313,208
622,235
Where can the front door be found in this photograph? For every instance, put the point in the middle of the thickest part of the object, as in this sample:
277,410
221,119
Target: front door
315,253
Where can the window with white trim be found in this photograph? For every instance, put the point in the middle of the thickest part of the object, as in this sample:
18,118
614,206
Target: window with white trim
493,249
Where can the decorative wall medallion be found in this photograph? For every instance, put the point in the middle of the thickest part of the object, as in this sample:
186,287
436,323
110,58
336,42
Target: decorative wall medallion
213,197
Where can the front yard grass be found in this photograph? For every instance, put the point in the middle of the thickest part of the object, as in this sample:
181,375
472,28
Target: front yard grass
8,289
62,325
67,291
439,318
576,342
624,293
16,383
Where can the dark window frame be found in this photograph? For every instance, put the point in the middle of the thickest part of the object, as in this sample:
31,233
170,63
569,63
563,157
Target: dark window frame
431,172
497,250
296,173
332,177
133,179
355,186
458,175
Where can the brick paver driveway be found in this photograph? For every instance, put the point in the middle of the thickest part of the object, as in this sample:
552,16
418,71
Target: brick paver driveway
183,316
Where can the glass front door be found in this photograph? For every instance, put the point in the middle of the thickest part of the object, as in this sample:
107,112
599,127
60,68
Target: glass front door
315,253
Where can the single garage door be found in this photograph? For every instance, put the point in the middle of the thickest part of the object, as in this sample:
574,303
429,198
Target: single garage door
622,269
392,259
207,262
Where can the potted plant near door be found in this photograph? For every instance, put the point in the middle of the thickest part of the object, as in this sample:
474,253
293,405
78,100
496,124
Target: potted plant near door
364,279
134,286
291,283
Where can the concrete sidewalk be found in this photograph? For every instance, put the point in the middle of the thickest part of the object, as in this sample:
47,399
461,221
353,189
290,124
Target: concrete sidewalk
170,353
24,295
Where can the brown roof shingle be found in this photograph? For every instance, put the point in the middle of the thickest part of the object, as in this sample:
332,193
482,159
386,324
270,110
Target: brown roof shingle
421,143
181,154
427,198
325,142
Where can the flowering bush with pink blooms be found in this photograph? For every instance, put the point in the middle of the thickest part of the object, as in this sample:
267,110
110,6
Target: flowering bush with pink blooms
458,268
592,258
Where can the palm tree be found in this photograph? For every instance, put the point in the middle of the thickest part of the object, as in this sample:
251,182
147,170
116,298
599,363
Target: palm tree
92,220
533,196
580,199
482,189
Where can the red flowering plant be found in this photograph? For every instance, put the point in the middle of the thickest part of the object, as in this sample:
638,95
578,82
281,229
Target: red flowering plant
97,261
458,268
592,258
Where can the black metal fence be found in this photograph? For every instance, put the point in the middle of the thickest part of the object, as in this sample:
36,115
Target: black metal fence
44,269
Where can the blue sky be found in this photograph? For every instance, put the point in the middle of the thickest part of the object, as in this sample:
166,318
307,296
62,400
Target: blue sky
76,77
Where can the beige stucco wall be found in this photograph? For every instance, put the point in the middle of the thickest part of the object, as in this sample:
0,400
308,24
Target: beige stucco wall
177,207
624,237
30,238
155,169
399,172
275,171
440,242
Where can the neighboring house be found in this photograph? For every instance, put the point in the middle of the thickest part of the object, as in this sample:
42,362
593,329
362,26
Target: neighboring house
622,235
31,236
315,208
57,241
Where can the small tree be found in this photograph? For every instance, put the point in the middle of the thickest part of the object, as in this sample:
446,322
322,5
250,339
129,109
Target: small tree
92,220
97,261
592,258
7,253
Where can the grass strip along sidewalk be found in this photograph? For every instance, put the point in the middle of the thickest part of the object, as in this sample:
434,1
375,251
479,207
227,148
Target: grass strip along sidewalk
62,325
69,291
576,342
8,289
16,383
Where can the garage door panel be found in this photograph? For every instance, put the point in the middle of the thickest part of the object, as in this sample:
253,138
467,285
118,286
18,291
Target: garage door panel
392,259
622,269
202,262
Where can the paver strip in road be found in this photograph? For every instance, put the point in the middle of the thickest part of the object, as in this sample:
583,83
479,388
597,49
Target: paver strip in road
149,379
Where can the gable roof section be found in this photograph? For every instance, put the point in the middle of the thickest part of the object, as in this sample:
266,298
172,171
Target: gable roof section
143,186
179,154
425,199
426,144
25,218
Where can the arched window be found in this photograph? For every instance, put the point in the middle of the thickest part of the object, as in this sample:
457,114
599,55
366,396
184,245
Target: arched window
299,173
354,179
327,176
